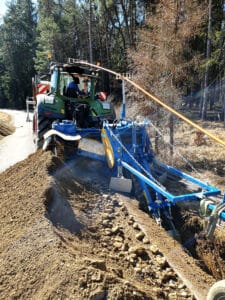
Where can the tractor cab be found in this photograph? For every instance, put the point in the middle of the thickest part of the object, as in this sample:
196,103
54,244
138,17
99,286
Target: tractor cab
83,84
63,75
86,108
82,105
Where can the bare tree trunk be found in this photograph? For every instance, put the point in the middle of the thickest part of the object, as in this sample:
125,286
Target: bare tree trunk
113,21
222,117
156,132
127,19
212,97
208,54
177,11
223,110
171,127
90,32
133,12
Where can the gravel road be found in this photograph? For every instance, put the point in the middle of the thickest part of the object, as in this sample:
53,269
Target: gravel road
19,145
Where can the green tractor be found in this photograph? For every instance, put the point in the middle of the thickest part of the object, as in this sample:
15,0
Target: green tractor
87,108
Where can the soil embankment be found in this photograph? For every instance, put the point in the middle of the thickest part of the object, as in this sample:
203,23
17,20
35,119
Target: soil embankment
6,127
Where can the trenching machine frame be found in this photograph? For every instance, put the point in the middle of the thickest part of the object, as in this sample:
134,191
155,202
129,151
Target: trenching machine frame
129,155
128,150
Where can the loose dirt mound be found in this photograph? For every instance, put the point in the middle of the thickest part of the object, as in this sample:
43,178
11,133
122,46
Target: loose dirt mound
213,254
210,252
6,127
60,240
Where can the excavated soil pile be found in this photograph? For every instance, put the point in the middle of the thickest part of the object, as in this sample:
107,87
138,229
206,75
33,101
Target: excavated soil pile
61,240
213,254
6,127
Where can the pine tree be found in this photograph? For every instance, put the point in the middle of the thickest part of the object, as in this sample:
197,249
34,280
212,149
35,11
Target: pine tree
213,66
18,32
48,33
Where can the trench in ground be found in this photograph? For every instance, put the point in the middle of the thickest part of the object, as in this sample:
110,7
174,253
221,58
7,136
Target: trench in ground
61,211
209,253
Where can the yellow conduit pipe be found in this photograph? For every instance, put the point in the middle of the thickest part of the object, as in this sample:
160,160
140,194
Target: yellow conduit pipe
157,100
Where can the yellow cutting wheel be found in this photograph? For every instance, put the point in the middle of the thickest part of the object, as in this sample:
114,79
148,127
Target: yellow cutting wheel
108,149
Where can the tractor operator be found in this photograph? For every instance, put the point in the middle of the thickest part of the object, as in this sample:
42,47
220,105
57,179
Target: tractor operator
73,88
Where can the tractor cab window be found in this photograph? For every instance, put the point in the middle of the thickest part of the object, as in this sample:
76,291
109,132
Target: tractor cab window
83,83
54,81
65,79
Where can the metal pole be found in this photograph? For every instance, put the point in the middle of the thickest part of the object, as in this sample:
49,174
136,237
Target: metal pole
123,112
28,118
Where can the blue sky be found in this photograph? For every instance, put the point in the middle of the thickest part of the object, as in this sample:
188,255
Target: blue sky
2,8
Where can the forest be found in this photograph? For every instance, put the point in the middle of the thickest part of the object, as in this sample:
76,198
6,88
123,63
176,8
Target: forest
173,48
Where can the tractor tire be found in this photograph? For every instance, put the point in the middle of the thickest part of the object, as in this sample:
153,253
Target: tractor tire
217,291
41,125
64,150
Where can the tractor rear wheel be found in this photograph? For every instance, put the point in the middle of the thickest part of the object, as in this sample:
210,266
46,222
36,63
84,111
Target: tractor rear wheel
217,291
64,150
41,125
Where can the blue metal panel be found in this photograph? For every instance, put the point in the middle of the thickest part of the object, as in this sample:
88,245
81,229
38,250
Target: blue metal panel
173,199
92,132
148,181
65,126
